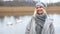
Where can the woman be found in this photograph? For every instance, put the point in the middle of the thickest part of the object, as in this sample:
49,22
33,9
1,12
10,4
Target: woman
40,22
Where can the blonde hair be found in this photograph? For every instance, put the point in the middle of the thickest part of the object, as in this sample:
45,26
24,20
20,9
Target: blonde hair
35,12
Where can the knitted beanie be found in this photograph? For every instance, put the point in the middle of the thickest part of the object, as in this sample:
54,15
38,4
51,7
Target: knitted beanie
44,5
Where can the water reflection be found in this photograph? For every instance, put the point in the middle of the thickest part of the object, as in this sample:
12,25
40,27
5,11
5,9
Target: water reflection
56,22
17,24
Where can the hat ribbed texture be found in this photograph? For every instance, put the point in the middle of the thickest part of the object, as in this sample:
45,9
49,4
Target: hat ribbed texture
41,4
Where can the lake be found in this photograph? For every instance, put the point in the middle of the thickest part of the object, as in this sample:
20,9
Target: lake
17,24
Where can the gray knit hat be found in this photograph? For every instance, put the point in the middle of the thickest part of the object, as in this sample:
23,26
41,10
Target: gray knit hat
44,5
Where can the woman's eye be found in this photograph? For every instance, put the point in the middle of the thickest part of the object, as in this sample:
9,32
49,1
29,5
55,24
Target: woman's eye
38,7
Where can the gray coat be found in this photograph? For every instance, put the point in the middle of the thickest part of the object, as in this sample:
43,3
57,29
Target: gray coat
47,28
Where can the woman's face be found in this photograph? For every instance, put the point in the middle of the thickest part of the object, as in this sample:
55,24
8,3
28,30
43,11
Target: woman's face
39,10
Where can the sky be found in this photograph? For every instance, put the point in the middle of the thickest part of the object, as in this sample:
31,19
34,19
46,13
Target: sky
48,1
7,0
45,1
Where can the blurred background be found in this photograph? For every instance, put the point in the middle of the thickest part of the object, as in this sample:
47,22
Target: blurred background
16,14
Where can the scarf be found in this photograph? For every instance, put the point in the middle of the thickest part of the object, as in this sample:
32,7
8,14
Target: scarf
39,20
